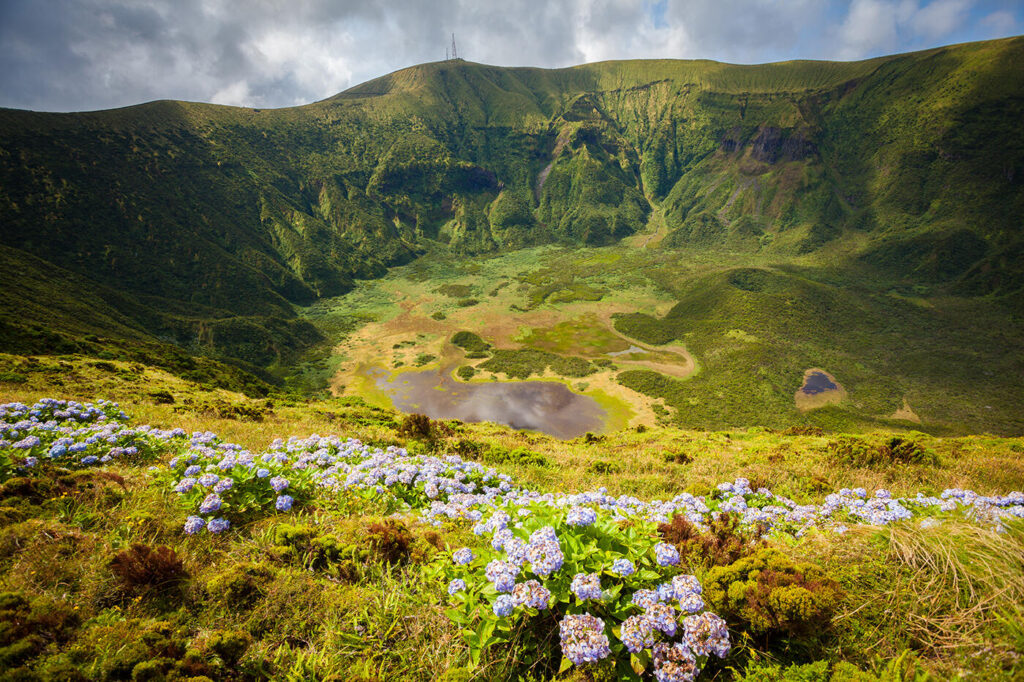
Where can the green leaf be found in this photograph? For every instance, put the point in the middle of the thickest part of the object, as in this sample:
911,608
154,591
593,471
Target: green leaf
637,665
566,664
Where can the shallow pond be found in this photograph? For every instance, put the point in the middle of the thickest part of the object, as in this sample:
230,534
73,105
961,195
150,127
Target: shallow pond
817,382
545,406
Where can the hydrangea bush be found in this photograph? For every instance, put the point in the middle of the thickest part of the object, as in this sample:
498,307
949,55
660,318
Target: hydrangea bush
74,435
613,589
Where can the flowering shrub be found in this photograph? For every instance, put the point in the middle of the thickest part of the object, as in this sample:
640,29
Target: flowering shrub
74,435
224,484
613,589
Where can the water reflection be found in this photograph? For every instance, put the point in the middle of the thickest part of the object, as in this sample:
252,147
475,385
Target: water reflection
537,405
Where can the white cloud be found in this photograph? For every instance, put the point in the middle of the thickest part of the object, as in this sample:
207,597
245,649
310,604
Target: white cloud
874,27
83,54
939,18
1000,23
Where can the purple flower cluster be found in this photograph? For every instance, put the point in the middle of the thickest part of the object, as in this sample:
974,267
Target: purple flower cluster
637,633
583,638
502,574
586,586
531,594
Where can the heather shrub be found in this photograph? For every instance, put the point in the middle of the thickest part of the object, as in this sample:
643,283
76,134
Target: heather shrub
142,567
860,452
725,541
416,426
390,541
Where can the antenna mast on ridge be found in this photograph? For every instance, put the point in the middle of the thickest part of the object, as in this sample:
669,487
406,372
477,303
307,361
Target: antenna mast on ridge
455,52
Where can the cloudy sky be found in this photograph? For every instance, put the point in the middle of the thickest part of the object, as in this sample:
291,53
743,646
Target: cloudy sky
67,55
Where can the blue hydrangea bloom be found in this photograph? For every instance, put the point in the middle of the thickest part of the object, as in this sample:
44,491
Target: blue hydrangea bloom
623,567
504,605
194,524
211,504
667,555
218,525
284,502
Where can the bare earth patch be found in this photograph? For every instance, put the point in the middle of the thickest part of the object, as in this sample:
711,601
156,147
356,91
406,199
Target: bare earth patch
819,389
906,413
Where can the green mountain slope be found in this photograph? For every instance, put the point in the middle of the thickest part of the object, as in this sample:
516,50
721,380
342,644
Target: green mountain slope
202,227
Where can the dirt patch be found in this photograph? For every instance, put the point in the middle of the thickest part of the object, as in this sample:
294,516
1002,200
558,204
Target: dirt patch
819,389
905,413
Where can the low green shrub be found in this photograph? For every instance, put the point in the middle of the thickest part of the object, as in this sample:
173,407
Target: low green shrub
769,596
469,341
239,586
862,452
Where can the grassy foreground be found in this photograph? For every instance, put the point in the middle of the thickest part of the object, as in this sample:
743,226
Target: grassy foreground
101,582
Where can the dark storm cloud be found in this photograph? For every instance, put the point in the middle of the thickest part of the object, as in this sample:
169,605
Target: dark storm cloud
90,54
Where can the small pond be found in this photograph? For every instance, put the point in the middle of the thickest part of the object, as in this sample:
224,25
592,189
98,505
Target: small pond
545,406
817,382
628,351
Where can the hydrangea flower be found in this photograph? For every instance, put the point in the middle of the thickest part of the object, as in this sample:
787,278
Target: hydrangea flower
674,663
457,585
532,595
644,598
31,462
194,524
667,555
461,557
500,538
706,634
193,470
545,557
623,567
685,584
210,504
504,605
637,633
581,516
502,574
279,483
283,503
583,639
262,473
224,485
515,549
184,485
90,459
217,525
586,586
27,443
691,602
663,617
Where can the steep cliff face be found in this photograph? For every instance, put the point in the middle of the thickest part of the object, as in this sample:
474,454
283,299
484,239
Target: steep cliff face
910,164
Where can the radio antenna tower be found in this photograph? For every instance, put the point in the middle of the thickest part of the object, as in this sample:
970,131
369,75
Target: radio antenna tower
455,52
